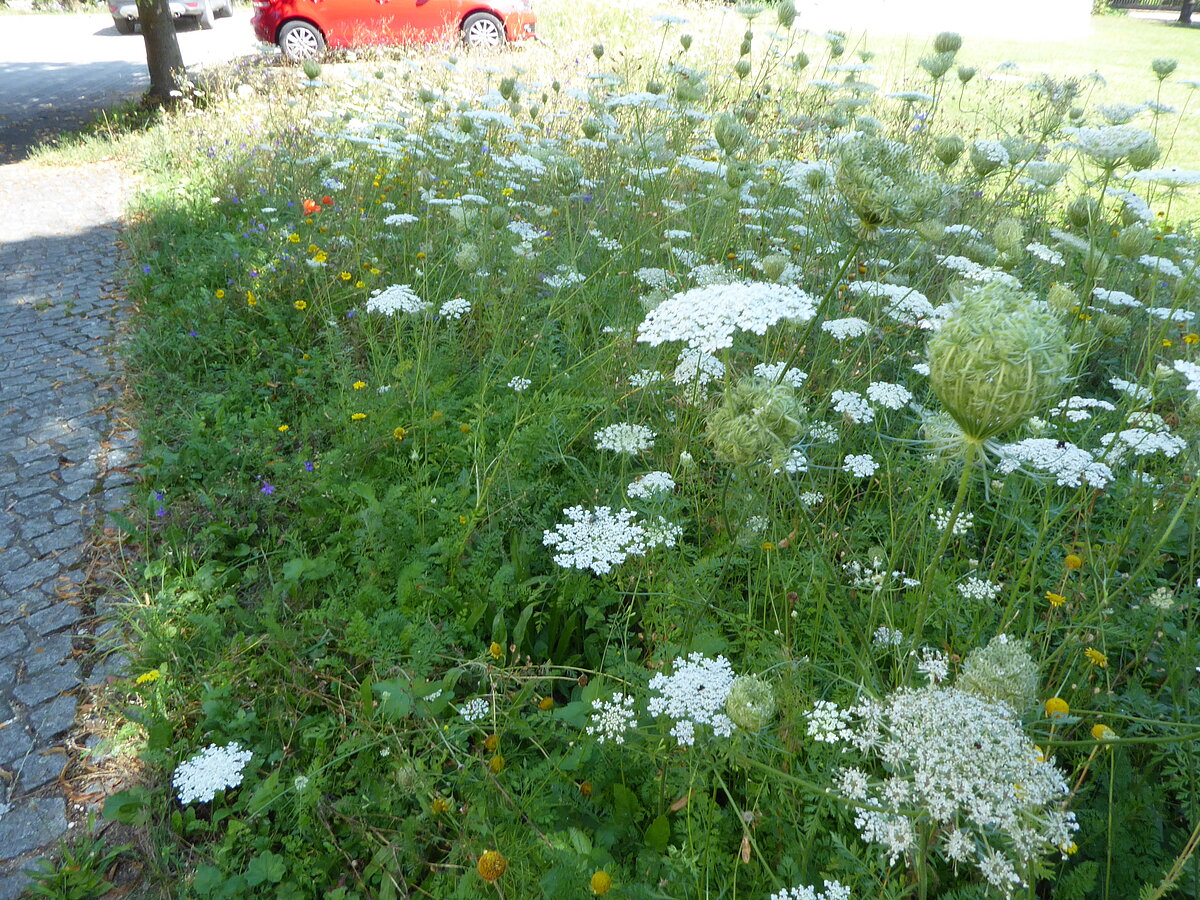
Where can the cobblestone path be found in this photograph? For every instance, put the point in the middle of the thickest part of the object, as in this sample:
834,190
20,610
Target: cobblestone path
63,460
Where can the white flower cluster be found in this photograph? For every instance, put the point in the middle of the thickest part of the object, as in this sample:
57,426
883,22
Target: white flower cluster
973,588
1109,145
860,465
872,577
476,710
1160,264
828,723
887,637
903,304
212,769
1171,176
624,437
1077,409
1116,298
1142,442
992,151
941,518
853,406
706,318
1046,254
888,395
455,309
644,378
400,219
775,372
697,368
694,694
973,271
1070,465
518,384
850,327
599,539
1191,373
611,719
396,299
834,890
934,665
651,484
960,767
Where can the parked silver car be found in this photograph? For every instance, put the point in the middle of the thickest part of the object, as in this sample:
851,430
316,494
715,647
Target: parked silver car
125,12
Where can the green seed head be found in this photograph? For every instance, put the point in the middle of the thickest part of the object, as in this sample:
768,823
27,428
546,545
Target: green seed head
312,70
1004,671
948,149
800,61
966,73
997,360
1009,237
1112,326
731,134
774,265
1163,67
757,420
1084,212
750,703
937,65
741,68
1135,240
1061,298
786,13
466,257
1145,156
947,42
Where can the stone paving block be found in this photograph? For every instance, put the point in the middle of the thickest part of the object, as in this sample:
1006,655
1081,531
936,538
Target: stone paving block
39,769
55,717
12,639
12,887
15,742
54,618
41,686
47,652
32,823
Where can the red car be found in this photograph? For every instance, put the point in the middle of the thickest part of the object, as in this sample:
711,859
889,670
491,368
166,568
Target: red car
304,28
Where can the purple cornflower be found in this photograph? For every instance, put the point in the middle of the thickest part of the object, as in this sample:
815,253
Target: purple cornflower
308,466
267,488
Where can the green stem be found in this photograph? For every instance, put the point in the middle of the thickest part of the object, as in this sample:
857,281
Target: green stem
964,482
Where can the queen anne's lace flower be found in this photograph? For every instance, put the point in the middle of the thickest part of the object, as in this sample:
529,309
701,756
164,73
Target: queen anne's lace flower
853,406
626,438
1070,465
651,484
834,890
958,766
476,710
455,309
694,694
1110,145
596,539
888,395
860,465
611,719
395,299
212,769
851,327
706,318
697,368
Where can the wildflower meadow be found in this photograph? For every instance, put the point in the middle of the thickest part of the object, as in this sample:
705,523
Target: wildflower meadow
697,458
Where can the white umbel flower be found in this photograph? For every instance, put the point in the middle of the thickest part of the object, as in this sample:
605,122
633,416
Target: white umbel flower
398,298
694,694
626,438
212,769
706,318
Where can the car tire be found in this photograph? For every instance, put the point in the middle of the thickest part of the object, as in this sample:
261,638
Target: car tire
225,11
481,31
123,25
204,18
300,41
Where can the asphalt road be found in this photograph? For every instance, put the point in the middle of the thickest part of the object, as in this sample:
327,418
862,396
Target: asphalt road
57,72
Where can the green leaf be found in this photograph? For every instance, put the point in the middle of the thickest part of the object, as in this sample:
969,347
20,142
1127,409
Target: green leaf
395,697
130,807
658,834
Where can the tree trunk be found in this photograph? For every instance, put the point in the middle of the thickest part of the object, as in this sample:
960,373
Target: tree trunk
163,58
1185,13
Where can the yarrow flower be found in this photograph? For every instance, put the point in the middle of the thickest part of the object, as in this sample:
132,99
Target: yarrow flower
694,694
612,718
476,710
212,769
624,437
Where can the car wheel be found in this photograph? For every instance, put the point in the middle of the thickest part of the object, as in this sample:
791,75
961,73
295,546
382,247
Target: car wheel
225,11
301,40
205,17
123,25
481,30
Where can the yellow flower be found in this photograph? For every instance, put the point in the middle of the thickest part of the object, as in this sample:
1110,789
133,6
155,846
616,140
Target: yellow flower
373,270
294,238
1073,562
1167,342
300,304
420,256
495,650
360,284
1057,706
359,385
357,417
465,428
1191,338
220,295
398,433
1070,848
1096,658
313,248
345,276
148,677
491,865
546,704
439,806
496,764
1103,733
283,428
1056,600
601,883
768,545
321,257
585,788
437,416
491,742
251,300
